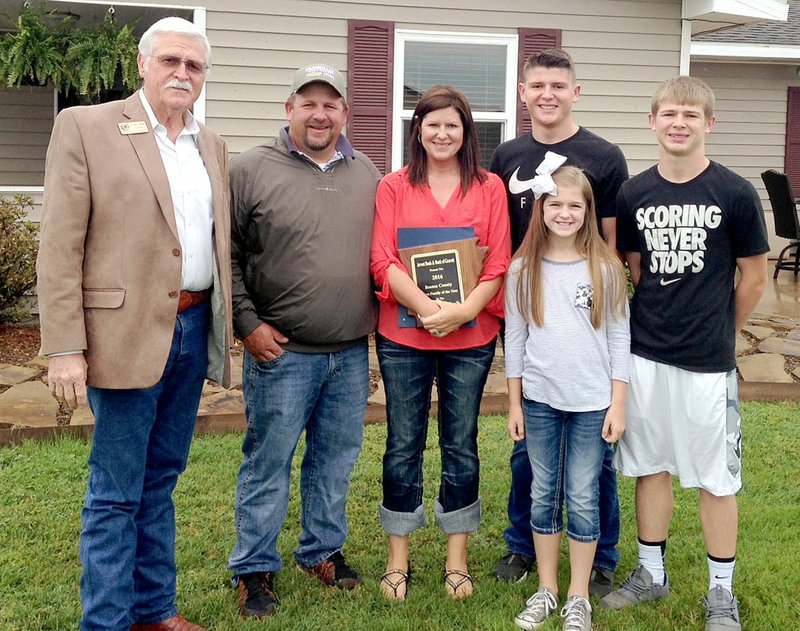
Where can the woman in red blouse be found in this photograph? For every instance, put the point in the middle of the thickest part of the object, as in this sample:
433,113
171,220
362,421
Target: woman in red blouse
442,187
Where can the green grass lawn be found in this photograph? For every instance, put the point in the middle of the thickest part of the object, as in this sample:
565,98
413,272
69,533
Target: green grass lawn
43,483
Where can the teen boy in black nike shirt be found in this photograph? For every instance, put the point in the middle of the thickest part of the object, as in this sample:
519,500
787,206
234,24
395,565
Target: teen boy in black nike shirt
686,226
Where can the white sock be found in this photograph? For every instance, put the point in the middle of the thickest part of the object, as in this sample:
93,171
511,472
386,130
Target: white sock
720,572
651,556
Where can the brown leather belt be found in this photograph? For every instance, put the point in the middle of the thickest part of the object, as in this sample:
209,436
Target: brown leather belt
191,298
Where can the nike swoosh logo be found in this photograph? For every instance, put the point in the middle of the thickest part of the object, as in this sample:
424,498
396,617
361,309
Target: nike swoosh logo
516,186
664,283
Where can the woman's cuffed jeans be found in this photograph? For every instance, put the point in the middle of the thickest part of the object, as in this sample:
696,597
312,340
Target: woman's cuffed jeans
408,376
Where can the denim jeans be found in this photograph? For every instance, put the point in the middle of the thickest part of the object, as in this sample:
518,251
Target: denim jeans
324,394
518,534
140,445
408,375
565,450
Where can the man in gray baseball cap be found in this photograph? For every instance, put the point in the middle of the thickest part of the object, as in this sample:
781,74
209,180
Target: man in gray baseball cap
301,220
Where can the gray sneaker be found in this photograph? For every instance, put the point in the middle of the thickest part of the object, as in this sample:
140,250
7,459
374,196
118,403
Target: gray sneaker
537,608
577,614
637,588
722,610
601,582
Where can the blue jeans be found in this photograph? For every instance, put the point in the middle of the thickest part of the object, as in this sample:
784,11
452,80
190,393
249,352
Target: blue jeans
408,375
565,450
518,533
140,445
324,394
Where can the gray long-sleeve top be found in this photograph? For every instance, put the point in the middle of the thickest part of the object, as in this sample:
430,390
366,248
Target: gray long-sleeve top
300,245
567,363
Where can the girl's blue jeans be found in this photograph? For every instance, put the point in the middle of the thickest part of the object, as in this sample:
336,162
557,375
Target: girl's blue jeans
566,455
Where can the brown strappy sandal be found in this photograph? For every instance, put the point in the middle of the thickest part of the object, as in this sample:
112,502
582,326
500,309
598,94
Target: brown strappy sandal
452,584
404,579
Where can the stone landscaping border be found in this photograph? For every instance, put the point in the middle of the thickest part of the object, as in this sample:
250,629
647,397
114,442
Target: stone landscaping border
767,351
490,404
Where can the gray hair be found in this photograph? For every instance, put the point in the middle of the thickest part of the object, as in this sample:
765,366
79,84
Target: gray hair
169,25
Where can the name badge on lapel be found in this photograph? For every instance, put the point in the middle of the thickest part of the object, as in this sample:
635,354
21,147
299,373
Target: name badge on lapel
134,127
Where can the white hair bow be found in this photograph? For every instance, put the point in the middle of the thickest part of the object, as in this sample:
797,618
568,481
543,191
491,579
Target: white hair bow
543,182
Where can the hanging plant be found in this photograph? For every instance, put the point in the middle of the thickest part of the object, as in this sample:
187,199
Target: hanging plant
84,65
127,53
34,52
102,58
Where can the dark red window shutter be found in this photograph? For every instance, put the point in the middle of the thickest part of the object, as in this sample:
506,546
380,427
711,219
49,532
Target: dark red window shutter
792,154
370,67
532,40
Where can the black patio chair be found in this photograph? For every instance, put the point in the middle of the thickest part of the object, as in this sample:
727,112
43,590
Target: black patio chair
787,225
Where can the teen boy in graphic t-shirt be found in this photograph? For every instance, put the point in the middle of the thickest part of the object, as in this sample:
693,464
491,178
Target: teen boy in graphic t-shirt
686,226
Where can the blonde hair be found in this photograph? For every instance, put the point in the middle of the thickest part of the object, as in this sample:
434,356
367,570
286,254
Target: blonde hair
605,268
684,90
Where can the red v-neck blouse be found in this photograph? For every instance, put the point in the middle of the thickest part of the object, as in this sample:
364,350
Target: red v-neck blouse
401,205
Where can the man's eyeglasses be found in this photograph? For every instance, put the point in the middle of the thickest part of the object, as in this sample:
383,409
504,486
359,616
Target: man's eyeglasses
192,65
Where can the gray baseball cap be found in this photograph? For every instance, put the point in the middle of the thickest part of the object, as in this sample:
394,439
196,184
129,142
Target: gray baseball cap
322,73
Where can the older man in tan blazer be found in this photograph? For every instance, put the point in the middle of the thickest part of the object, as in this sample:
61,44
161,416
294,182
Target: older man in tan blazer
134,295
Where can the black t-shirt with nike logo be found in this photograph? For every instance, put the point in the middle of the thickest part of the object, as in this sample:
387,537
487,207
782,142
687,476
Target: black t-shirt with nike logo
516,161
689,236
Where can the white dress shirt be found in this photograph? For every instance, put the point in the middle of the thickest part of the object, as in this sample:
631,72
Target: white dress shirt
190,188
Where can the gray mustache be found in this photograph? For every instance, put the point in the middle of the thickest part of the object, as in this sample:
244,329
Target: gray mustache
181,85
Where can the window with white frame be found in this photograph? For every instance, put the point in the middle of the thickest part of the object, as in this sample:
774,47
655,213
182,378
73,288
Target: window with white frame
482,66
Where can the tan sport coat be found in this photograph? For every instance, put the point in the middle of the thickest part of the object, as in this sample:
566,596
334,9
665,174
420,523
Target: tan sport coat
109,266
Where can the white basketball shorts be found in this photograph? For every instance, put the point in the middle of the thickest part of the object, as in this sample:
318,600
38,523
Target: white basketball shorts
685,423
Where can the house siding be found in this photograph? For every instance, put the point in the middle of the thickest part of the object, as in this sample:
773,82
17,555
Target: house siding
25,127
622,51
750,133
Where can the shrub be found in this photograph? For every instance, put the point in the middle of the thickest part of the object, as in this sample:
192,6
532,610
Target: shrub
18,249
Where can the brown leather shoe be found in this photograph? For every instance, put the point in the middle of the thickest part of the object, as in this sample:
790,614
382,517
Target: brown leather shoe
176,623
335,572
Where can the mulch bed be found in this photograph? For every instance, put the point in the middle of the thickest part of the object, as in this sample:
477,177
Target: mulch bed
19,343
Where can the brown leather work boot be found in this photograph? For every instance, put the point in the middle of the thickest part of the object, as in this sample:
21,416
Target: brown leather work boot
256,598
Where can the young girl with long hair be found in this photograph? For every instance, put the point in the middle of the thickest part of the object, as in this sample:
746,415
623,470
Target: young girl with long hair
567,345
